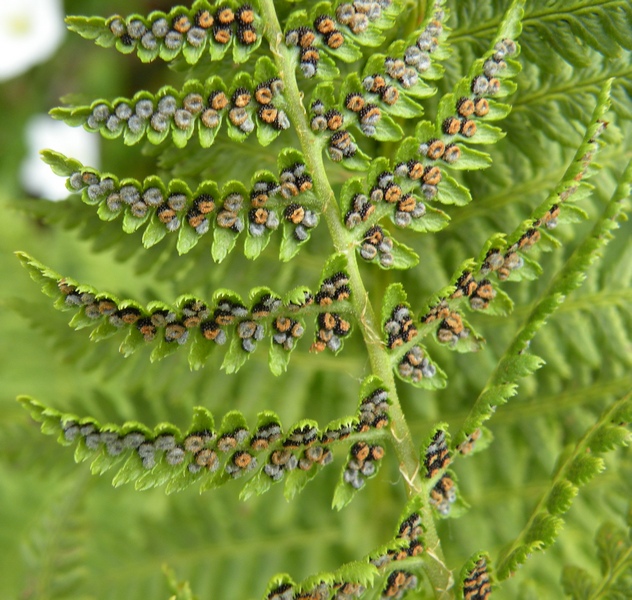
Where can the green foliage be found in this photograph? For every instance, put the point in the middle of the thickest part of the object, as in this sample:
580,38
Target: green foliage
614,549
445,149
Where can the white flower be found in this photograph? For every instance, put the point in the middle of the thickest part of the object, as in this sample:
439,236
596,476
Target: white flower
30,31
43,132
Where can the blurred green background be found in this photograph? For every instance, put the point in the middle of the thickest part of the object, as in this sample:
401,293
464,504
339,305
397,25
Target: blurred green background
66,534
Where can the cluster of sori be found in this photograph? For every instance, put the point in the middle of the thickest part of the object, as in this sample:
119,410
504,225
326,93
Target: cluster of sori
341,145
228,216
294,181
309,55
362,463
435,149
361,209
194,314
359,14
451,328
167,34
287,331
331,329
406,206
467,445
443,494
212,322
404,71
376,244
333,289
300,450
504,263
171,110
173,208
267,112
378,85
477,584
437,455
202,449
415,366
341,590
480,293
369,114
324,30
400,327
418,55
323,119
409,533
194,447
398,583
428,177
484,84
373,411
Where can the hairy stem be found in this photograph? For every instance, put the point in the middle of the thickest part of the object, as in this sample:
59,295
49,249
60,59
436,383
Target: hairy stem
409,462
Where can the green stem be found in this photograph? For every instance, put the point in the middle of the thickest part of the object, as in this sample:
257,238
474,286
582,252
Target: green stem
409,461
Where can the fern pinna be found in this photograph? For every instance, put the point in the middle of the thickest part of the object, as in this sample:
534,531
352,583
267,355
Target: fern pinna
338,96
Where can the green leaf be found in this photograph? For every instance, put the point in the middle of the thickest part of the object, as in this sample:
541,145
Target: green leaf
403,257
387,130
393,296
434,220
452,192
471,160
561,497
577,583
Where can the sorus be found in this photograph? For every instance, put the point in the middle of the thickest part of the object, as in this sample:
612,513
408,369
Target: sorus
481,107
221,34
225,15
354,102
246,35
181,23
245,14
204,19
324,24
432,175
468,128
217,100
465,107
451,126
452,153
335,39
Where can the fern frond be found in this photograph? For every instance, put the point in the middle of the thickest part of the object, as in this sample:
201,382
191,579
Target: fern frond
570,28
182,30
164,208
615,558
507,259
462,118
176,114
575,469
202,326
54,549
516,362
392,570
212,457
